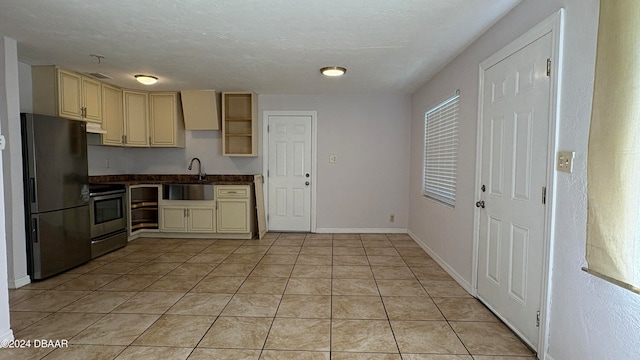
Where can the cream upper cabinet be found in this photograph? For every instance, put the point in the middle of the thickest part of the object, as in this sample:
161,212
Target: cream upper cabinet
69,95
136,118
239,124
92,99
112,116
165,120
59,92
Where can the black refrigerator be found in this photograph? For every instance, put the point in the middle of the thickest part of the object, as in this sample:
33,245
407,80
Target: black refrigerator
56,192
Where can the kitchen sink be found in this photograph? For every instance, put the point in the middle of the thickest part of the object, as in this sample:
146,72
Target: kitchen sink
187,192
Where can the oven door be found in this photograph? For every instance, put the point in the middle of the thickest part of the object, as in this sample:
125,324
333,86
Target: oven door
107,214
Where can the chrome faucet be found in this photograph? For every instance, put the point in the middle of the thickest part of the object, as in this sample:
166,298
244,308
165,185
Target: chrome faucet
201,175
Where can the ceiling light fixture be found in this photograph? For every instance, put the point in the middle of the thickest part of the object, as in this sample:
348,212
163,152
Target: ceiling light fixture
333,71
146,79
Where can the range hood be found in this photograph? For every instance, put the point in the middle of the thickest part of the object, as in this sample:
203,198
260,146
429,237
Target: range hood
95,128
200,109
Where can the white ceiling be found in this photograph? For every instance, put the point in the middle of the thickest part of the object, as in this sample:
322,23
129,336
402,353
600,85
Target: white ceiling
267,46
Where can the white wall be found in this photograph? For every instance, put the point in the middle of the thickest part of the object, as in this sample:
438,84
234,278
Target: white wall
205,145
368,134
12,158
8,105
589,318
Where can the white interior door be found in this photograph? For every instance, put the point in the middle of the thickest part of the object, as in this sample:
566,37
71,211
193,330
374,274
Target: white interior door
513,175
289,172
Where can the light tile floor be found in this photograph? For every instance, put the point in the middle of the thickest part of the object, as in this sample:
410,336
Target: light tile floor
288,296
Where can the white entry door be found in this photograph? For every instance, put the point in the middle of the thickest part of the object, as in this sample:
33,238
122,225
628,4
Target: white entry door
513,175
289,172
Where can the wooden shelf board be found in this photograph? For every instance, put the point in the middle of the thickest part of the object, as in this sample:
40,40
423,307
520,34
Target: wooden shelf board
143,204
144,225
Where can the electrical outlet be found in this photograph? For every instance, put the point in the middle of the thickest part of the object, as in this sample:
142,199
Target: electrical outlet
333,158
392,217
565,161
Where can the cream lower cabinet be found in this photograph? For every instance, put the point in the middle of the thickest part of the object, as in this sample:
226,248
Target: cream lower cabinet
185,217
234,208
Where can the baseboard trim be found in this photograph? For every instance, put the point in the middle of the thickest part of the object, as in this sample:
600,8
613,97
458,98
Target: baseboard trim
18,283
454,274
362,230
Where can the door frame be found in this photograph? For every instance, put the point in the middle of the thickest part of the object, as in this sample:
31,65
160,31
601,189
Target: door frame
314,151
552,25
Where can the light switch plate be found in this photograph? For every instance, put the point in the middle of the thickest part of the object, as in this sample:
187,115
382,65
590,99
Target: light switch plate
565,161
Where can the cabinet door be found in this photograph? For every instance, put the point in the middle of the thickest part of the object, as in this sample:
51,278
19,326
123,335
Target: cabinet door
69,95
201,219
92,100
173,219
136,118
112,117
233,216
162,108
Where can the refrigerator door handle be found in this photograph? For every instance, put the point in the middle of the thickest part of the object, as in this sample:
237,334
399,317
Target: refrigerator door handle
32,190
34,230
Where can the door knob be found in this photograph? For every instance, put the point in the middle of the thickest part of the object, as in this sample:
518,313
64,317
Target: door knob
480,204
306,183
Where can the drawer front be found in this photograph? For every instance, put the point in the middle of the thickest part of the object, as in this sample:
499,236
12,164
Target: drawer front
232,192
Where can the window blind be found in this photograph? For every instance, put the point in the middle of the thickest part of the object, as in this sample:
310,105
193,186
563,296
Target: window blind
441,151
613,179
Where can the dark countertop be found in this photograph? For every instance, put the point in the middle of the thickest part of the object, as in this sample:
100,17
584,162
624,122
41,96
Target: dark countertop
135,179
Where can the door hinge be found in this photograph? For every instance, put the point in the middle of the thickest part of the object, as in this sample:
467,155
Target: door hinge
544,195
268,128
538,318
548,66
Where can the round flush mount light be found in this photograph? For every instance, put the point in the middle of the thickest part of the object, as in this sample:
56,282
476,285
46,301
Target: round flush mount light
333,71
146,79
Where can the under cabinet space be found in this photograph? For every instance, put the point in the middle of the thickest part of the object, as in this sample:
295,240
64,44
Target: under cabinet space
143,203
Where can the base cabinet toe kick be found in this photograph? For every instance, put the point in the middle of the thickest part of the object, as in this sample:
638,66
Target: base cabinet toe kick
229,215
